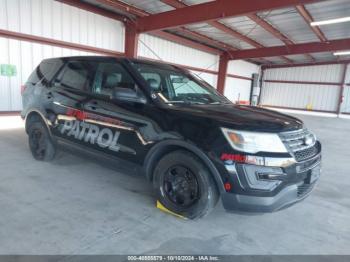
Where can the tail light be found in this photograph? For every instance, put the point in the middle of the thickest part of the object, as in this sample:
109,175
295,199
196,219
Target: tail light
23,88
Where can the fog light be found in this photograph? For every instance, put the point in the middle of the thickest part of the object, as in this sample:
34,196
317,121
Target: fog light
256,182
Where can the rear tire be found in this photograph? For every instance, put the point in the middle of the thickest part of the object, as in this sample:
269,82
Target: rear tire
184,185
40,142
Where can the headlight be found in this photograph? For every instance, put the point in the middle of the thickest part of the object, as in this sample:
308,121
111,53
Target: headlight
253,142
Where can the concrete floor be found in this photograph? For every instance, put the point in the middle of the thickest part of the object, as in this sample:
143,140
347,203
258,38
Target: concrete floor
77,206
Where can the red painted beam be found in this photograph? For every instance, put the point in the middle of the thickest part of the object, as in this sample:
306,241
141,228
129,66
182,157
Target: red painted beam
335,62
303,82
219,26
211,11
131,41
273,31
308,19
93,9
314,47
341,91
222,74
59,43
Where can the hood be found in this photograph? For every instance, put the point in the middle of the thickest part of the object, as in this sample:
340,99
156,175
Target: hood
243,117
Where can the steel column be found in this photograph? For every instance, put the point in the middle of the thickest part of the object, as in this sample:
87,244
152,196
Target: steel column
222,73
341,91
131,41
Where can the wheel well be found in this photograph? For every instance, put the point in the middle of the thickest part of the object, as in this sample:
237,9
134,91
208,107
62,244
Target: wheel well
153,158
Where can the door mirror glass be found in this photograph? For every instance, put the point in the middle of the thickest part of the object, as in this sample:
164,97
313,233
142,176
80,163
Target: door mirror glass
128,95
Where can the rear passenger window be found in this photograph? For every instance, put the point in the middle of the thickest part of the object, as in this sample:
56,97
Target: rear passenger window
109,76
77,75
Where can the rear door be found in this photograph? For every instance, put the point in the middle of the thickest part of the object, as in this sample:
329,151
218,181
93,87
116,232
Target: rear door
68,92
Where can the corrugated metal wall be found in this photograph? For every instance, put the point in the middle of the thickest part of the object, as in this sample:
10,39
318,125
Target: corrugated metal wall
157,48
239,89
52,19
303,96
49,19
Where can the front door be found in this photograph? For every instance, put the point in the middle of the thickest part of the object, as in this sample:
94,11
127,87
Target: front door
117,126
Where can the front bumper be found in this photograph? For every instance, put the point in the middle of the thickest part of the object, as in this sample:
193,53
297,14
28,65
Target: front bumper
286,197
300,179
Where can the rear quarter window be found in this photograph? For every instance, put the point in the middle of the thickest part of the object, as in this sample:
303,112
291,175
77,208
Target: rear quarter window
45,71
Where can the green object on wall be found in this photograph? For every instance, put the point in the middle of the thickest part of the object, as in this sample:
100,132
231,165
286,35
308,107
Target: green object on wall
8,70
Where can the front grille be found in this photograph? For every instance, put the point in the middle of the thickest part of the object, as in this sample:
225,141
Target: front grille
306,153
300,143
304,189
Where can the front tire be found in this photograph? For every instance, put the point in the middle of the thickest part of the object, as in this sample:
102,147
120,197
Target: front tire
184,185
40,142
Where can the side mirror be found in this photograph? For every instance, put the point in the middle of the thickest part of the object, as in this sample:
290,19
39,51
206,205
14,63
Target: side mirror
128,95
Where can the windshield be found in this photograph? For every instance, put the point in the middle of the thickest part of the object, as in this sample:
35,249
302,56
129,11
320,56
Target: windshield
178,86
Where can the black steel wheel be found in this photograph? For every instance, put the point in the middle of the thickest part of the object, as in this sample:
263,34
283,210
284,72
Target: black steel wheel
40,143
180,186
184,185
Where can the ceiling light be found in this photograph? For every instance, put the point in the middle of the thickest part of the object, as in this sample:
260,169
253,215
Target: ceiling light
331,21
342,53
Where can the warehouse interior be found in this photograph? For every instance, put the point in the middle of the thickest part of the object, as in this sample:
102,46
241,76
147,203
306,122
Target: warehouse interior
282,55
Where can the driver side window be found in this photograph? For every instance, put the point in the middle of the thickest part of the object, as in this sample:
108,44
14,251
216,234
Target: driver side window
109,76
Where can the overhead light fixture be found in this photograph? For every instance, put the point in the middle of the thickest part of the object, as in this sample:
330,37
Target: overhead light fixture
342,53
331,21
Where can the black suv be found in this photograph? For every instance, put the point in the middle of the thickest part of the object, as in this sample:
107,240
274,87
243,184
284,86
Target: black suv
192,143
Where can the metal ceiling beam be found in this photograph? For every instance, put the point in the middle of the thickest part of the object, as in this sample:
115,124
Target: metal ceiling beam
217,25
274,31
308,19
211,11
296,49
223,28
116,4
